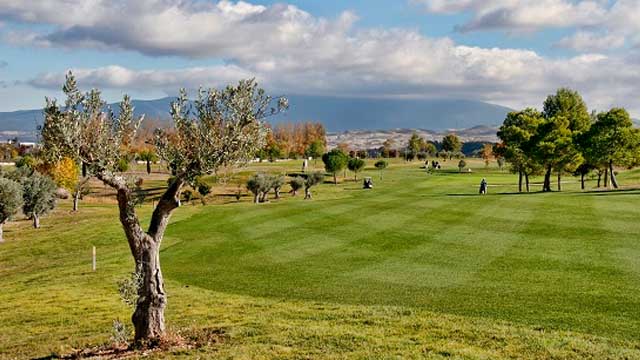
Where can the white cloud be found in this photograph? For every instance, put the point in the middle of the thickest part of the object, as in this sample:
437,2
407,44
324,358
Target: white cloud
289,50
598,22
584,41
521,15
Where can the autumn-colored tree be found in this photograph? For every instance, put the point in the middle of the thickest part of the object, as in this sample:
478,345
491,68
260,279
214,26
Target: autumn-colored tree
487,154
66,174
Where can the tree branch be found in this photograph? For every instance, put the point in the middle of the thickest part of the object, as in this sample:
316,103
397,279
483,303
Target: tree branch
128,215
169,201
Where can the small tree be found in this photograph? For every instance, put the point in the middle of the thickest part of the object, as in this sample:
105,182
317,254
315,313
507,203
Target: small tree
221,128
312,180
356,165
461,165
39,195
149,156
10,201
487,154
204,189
296,184
381,165
334,161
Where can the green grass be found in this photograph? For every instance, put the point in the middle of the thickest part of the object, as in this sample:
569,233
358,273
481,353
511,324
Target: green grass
419,267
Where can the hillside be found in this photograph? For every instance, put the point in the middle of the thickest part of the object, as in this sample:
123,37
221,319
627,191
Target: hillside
338,114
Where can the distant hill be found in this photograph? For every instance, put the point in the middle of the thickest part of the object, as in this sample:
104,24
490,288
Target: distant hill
337,114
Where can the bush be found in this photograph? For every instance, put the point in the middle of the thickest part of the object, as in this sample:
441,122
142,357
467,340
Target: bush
27,161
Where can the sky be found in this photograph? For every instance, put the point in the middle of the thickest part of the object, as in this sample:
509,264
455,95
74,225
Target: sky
507,52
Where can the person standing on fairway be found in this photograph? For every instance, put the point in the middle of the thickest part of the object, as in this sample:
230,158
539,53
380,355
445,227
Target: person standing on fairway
483,187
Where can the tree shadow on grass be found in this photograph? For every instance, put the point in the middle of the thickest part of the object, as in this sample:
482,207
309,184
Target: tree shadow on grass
610,192
497,194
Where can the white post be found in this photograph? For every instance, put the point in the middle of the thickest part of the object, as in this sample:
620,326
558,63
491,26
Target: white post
93,262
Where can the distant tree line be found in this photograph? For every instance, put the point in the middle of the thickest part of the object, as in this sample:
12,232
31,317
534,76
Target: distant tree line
294,141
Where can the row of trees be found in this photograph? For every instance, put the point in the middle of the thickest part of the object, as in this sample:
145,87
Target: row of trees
26,190
261,184
294,140
566,139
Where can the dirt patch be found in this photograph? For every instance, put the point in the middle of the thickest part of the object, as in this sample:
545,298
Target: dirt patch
174,342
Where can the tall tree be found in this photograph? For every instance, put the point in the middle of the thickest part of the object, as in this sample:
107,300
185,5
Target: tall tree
39,194
414,146
451,143
10,201
223,128
613,141
568,104
554,148
517,147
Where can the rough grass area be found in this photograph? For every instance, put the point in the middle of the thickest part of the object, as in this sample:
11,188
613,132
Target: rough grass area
420,267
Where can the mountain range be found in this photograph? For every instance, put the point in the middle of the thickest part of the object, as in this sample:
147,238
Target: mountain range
338,114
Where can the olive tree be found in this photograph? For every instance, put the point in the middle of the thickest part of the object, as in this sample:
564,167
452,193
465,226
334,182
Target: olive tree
10,201
61,124
296,184
312,180
222,128
277,182
39,195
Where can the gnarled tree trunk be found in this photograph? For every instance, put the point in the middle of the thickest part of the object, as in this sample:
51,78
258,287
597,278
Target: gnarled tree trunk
36,221
526,180
307,193
148,318
606,177
2,231
582,181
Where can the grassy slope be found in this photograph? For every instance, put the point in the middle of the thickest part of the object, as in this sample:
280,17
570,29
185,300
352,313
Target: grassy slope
418,267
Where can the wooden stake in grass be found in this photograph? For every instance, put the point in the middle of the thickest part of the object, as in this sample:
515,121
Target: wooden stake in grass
93,259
